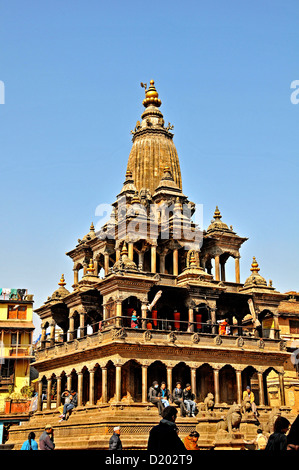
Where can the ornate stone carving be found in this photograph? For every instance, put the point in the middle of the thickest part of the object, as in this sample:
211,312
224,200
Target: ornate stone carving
240,342
195,338
147,335
261,344
218,340
171,337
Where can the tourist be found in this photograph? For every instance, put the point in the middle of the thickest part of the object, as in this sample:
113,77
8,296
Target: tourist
249,394
46,440
177,397
190,441
189,402
278,440
71,401
293,436
260,442
164,394
163,438
31,443
154,396
115,442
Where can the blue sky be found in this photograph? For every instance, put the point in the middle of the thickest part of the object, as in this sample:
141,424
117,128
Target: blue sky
72,73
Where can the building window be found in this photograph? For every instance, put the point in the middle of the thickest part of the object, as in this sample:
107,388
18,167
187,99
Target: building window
17,312
294,327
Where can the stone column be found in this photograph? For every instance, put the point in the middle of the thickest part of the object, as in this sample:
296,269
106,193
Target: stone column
216,386
39,396
58,391
43,337
91,387
52,333
49,387
118,313
143,314
169,378
106,263
71,328
281,389
191,319
118,382
193,380
104,385
213,320
176,262
222,267
217,272
131,250
239,386
153,259
261,389
80,388
76,276
82,324
96,267
144,383
237,269
69,382
162,263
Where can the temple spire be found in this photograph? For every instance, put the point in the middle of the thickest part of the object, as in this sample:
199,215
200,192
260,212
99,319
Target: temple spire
151,95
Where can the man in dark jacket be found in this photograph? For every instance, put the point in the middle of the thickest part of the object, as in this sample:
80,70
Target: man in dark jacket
46,440
154,396
177,396
163,438
115,442
189,400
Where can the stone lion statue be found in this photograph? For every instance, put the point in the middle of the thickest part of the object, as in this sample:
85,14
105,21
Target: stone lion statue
209,402
246,406
232,420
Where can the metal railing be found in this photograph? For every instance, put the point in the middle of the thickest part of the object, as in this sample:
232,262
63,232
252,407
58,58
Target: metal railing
167,326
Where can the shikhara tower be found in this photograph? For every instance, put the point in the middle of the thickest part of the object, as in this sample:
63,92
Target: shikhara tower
89,344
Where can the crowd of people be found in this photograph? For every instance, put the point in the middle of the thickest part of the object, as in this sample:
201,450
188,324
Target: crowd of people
161,397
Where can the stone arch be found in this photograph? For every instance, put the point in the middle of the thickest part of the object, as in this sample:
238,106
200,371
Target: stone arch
266,317
132,380
111,377
130,303
181,373
156,371
228,384
204,381
202,318
271,387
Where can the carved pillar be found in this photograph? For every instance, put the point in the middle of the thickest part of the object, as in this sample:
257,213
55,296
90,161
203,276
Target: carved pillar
71,328
49,388
96,267
191,319
162,263
69,382
153,259
118,382
144,383
237,269
104,385
82,324
52,333
39,396
176,262
222,267
169,378
106,263
131,250
117,254
281,389
58,392
91,387
216,386
217,273
239,386
193,380
80,388
118,313
261,389
76,276
213,320
43,336
143,314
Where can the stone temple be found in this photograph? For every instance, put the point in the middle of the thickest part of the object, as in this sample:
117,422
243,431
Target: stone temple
195,325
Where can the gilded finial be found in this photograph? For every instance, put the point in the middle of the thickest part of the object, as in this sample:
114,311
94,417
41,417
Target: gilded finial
91,227
62,282
217,214
254,266
90,268
151,95
124,250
